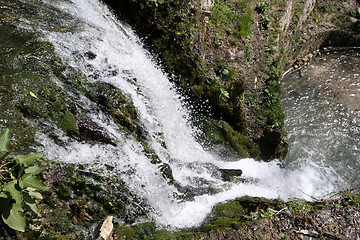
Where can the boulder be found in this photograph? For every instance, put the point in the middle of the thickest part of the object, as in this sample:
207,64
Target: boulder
91,131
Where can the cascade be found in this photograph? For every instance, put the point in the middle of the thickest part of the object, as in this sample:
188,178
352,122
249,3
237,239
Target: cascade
105,50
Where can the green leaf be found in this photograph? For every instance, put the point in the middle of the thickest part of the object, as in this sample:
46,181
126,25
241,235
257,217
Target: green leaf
3,195
5,140
14,191
30,203
26,160
14,218
36,195
29,180
34,170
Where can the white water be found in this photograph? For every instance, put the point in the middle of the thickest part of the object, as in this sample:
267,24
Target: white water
161,112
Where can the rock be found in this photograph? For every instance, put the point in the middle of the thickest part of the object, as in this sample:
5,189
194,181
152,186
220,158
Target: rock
106,229
191,191
225,71
90,130
90,55
166,172
228,174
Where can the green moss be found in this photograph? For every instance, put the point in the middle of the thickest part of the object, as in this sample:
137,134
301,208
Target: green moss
124,233
27,89
232,19
220,135
232,209
79,199
115,103
234,214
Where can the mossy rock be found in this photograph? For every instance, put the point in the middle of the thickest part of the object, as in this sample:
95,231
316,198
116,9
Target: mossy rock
116,104
27,88
220,136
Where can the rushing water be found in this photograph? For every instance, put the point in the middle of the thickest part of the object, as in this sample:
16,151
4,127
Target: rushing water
122,62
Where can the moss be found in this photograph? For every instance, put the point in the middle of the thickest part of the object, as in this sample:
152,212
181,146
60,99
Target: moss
27,90
148,230
116,104
124,233
30,91
222,136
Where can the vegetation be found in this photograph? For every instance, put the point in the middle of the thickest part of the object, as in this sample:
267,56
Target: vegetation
230,21
19,185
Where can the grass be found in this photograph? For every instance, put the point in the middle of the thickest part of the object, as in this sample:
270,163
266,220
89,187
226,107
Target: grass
232,19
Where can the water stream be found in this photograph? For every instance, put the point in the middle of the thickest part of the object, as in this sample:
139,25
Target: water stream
321,104
120,60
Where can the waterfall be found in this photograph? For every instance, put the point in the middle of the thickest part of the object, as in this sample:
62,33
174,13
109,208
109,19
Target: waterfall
119,58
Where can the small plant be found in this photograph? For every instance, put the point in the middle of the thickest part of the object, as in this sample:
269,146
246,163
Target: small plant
261,7
353,198
352,13
19,184
264,22
296,205
269,212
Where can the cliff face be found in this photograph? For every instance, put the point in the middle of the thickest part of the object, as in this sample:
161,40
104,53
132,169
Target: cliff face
233,54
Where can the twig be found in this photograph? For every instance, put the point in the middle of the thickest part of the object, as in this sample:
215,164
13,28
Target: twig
308,195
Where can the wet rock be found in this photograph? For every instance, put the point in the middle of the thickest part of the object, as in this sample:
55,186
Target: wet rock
166,172
91,131
116,104
200,188
90,55
228,174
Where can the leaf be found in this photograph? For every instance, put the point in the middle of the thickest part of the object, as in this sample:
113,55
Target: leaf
36,195
5,140
29,180
26,160
224,93
15,193
3,195
14,218
34,170
33,95
30,203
